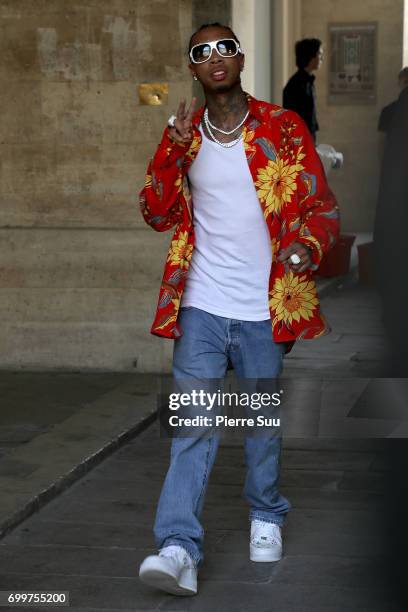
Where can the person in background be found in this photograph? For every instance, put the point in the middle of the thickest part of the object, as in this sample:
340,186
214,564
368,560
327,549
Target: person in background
391,251
388,111
299,93
387,114
390,244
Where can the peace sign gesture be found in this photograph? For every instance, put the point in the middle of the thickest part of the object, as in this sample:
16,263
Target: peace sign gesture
182,132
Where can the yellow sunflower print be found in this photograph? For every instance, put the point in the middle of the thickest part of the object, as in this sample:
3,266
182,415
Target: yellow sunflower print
293,298
275,246
194,147
247,138
276,183
179,183
180,252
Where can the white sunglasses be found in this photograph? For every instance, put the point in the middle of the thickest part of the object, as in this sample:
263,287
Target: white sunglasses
225,47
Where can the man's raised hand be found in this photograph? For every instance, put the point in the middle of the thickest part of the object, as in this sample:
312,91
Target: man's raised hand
182,132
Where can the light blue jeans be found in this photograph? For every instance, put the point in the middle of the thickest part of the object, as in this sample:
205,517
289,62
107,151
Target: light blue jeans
202,352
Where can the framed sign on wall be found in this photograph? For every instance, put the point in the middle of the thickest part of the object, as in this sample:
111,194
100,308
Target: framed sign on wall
353,63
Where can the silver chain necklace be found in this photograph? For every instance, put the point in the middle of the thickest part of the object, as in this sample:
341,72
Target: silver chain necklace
207,119
226,145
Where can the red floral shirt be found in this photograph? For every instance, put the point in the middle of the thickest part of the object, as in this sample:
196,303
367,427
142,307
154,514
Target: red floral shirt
297,205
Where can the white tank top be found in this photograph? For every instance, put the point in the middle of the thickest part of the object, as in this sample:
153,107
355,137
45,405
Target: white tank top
231,262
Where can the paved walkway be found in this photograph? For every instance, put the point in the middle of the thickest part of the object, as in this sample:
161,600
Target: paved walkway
55,426
91,539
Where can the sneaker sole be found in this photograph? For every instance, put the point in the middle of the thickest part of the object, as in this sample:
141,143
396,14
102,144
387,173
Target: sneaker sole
260,555
167,582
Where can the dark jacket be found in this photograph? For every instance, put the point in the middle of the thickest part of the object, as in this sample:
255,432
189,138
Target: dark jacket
385,120
299,95
390,235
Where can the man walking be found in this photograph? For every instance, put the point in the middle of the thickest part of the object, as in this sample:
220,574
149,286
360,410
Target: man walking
241,181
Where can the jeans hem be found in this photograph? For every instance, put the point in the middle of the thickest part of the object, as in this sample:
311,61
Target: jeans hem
267,518
196,557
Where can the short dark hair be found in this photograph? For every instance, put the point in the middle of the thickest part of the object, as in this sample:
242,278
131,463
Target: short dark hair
216,24
306,50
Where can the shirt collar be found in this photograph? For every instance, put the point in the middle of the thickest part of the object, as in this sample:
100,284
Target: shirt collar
255,107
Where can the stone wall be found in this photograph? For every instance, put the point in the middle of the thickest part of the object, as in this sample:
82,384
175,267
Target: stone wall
80,270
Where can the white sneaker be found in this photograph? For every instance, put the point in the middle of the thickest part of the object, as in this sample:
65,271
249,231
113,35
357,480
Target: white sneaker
172,570
265,544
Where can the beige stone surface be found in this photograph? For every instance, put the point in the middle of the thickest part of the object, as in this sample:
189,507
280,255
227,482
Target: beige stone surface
80,270
353,129
54,258
85,346
89,164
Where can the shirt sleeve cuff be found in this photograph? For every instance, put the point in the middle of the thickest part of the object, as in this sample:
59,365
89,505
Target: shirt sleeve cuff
315,250
178,145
